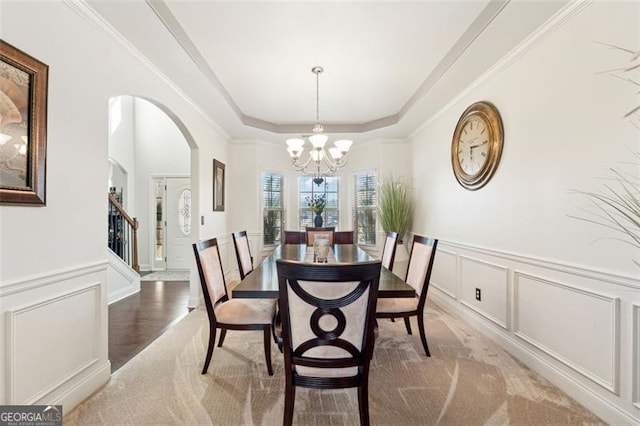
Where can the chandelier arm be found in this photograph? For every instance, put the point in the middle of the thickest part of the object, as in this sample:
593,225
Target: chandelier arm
330,165
300,166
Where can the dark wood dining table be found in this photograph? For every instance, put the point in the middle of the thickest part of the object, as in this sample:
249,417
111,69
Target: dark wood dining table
262,283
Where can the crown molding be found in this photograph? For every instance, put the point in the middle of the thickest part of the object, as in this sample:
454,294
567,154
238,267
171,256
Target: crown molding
86,12
554,23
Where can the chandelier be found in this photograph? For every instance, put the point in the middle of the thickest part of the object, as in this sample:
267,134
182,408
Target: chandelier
318,164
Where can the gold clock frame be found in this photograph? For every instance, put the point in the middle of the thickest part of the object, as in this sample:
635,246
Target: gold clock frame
490,115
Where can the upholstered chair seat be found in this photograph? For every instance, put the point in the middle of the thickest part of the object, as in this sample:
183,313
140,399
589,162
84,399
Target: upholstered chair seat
244,311
398,304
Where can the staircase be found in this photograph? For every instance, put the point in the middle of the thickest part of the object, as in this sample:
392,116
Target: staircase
123,232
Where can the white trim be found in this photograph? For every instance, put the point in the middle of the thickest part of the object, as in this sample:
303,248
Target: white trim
99,23
434,284
495,266
612,386
13,313
78,392
542,32
127,273
40,280
573,269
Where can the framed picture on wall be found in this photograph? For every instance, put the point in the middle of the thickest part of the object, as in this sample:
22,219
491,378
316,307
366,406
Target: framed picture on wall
23,127
218,186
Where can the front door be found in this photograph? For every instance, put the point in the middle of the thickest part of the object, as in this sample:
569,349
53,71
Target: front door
178,208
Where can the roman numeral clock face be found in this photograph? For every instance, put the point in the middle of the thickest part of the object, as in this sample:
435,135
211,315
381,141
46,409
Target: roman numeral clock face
477,145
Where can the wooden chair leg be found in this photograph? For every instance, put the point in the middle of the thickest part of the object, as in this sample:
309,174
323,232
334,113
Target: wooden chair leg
423,336
212,343
407,324
223,334
277,331
289,401
363,403
267,348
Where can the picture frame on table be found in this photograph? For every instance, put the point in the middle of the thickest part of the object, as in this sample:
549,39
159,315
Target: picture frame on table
23,127
218,186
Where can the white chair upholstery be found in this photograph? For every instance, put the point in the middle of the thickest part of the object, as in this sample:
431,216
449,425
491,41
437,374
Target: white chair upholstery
312,233
421,260
229,314
389,250
243,253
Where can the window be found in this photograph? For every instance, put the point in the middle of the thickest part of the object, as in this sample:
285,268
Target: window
364,206
308,189
272,209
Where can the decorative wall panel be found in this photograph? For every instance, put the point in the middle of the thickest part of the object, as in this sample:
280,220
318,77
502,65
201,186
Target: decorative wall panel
444,274
492,282
65,328
580,328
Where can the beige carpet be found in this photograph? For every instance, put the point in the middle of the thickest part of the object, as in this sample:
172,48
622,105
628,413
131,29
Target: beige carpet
468,380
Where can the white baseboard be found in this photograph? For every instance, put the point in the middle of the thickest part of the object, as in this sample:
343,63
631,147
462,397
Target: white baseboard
74,395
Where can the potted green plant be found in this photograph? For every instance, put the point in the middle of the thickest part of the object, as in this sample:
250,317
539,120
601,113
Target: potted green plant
617,205
395,211
395,206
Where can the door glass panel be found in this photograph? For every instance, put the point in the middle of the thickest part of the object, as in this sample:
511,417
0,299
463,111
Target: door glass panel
159,220
184,211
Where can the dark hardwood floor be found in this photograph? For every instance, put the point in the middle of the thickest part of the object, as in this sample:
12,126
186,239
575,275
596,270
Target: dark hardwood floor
136,321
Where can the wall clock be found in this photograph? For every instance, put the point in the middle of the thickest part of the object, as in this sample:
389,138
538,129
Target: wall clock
477,145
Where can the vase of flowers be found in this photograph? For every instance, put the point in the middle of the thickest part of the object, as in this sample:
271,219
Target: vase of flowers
317,204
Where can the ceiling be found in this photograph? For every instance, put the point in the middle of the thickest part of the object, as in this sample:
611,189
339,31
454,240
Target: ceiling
388,65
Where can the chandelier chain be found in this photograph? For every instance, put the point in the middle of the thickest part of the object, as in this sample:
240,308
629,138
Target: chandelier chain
317,98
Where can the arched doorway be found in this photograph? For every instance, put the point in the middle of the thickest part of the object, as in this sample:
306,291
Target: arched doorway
153,150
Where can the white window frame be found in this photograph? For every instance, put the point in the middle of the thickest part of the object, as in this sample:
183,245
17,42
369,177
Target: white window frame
370,208
265,209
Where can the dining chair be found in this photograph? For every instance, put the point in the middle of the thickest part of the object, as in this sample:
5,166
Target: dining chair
423,252
328,318
343,237
389,249
313,232
225,313
295,237
243,253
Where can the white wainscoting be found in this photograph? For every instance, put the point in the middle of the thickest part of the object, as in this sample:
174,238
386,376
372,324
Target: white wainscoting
445,272
577,327
122,280
492,280
55,337
35,331
562,320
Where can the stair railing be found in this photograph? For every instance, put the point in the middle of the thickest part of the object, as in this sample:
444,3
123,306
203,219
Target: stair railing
123,234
